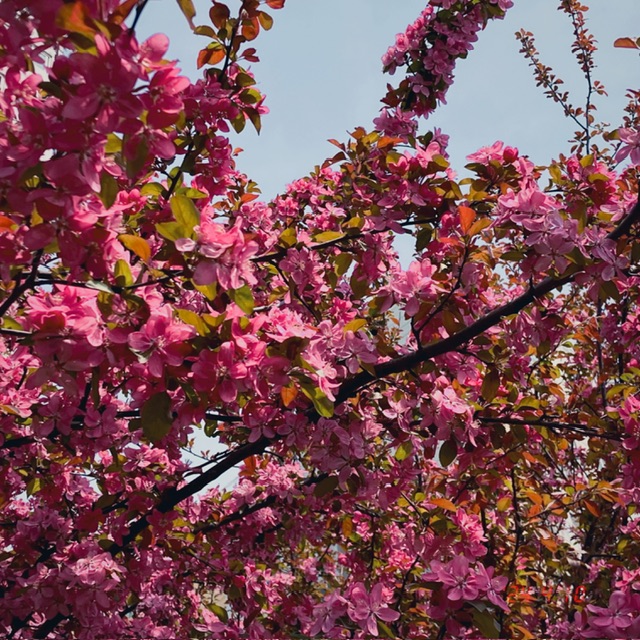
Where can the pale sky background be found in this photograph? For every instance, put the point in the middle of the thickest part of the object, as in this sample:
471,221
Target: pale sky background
321,72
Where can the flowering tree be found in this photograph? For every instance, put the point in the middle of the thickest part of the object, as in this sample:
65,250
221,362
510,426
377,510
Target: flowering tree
475,475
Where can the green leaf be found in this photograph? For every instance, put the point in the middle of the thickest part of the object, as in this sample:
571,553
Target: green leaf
194,194
186,214
327,236
321,403
325,486
205,30
152,189
238,123
99,286
528,402
342,263
170,230
155,416
288,237
136,162
384,631
404,451
113,145
11,323
210,428
355,325
254,118
265,20
33,486
486,623
209,291
108,189
490,384
194,319
122,273
448,452
188,10
243,298
440,161
221,612
244,80
250,96
587,161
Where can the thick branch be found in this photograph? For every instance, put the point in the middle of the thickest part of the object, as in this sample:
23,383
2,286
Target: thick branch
174,496
23,287
435,349
577,427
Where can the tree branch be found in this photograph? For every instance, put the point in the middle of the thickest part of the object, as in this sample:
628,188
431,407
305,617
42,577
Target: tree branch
494,317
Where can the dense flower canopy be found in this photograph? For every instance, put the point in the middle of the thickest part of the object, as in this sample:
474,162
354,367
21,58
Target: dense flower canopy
450,450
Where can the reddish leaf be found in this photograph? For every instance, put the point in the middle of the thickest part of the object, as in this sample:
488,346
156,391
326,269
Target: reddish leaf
250,29
219,15
443,503
250,55
467,217
626,43
75,18
210,56
6,223
121,13
250,465
138,245
592,508
490,384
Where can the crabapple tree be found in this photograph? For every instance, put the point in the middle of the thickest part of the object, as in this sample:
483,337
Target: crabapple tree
450,450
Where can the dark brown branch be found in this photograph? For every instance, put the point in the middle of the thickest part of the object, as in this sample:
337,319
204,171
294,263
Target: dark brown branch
139,10
552,424
457,340
174,496
22,287
15,333
263,504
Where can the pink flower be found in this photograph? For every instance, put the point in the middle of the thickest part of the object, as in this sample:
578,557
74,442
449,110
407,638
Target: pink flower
616,619
462,582
220,371
227,254
324,373
161,341
443,410
366,608
103,86
492,586
630,146
630,414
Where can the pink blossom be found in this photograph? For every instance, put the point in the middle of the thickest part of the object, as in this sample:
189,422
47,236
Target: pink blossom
161,341
618,619
630,146
461,582
366,607
323,372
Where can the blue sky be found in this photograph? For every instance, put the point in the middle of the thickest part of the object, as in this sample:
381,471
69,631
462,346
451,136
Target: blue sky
320,69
